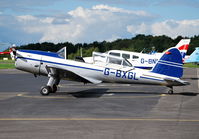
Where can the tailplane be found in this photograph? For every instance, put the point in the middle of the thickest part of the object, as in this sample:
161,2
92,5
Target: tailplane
170,63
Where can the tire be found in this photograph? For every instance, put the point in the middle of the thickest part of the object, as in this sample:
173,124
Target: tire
54,89
46,90
170,92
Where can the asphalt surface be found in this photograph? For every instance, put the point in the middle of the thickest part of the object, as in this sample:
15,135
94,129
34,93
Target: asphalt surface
111,111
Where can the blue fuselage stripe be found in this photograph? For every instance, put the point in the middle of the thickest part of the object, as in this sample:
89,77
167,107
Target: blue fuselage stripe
143,67
43,53
61,64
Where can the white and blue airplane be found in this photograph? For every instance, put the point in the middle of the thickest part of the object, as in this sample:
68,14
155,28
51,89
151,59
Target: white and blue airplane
194,57
144,60
113,69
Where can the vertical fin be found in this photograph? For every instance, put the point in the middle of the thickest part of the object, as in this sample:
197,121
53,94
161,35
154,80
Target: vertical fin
194,57
170,64
183,46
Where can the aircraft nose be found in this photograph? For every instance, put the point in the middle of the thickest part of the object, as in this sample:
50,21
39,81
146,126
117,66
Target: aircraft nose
18,61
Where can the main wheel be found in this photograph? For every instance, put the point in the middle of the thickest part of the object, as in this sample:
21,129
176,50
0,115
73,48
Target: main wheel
46,90
54,89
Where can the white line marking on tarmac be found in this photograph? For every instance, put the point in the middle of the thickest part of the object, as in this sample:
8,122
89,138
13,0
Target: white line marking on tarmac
4,96
105,96
19,95
99,119
110,94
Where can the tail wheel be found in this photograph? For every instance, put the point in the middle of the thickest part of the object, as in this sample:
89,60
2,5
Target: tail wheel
46,90
170,91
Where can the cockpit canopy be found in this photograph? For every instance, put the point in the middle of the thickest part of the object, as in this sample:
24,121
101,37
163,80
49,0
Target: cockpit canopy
62,53
110,59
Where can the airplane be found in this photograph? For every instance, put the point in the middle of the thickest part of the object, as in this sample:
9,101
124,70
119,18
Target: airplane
12,47
194,57
3,53
144,60
10,52
167,71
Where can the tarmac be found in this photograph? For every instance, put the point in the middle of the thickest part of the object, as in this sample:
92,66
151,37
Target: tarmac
111,111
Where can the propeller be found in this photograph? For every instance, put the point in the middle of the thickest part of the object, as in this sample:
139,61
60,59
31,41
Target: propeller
13,52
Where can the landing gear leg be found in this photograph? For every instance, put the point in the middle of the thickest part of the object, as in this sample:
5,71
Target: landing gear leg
51,86
55,85
170,90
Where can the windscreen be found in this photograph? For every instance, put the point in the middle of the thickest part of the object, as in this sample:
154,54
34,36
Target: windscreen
62,52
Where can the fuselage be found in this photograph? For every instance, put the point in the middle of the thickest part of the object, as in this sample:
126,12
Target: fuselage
36,62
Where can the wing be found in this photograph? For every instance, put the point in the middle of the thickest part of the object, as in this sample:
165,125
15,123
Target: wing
173,82
71,75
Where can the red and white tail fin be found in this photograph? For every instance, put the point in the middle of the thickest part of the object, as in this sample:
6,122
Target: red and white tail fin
183,46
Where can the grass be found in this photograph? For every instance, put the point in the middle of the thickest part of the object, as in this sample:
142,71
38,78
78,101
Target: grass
7,61
191,65
7,64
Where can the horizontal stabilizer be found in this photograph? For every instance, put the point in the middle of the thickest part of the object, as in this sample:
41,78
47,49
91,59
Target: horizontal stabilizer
176,82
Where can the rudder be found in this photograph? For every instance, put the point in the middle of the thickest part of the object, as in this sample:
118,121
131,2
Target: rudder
183,46
170,64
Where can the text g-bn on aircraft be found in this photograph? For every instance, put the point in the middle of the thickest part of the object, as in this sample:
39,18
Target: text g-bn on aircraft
144,60
166,72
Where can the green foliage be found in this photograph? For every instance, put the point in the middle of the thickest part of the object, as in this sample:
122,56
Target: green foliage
6,64
137,43
191,65
5,56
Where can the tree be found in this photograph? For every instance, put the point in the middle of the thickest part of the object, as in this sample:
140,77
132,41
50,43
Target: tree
137,43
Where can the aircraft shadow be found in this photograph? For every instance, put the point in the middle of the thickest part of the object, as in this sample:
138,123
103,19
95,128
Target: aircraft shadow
97,93
191,78
90,93
187,94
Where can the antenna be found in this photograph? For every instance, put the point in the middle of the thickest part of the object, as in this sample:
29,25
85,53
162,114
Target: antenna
81,51
65,54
